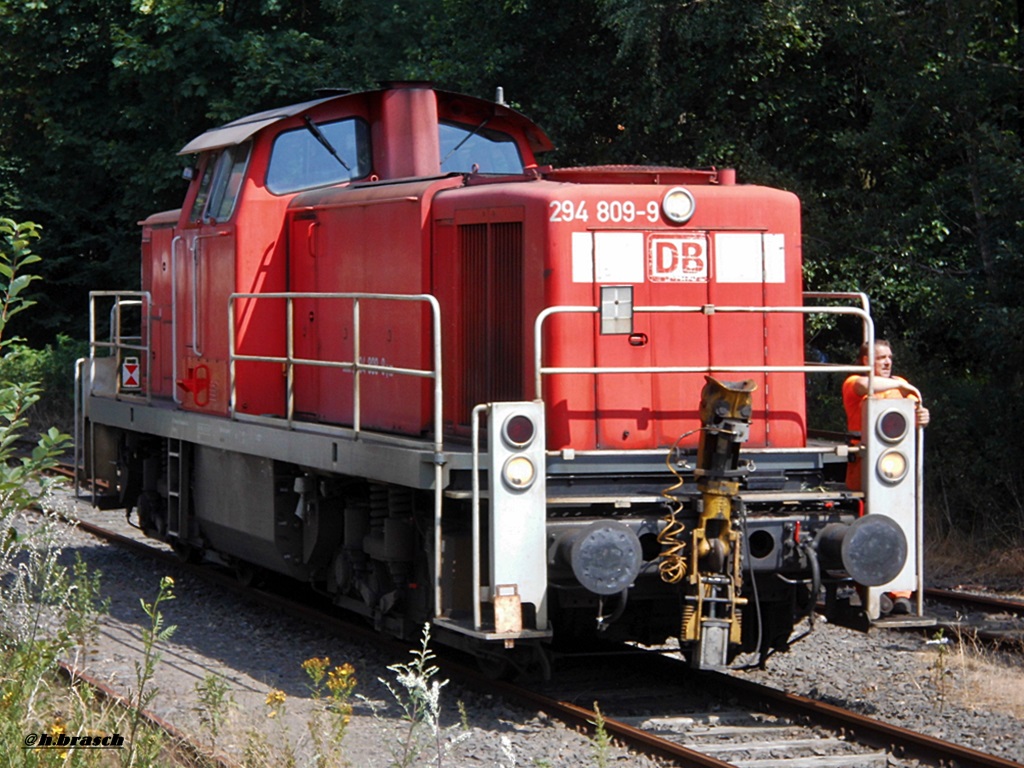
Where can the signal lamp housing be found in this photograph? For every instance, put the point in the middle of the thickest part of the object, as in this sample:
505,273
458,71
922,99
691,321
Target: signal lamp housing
678,205
890,480
516,507
519,473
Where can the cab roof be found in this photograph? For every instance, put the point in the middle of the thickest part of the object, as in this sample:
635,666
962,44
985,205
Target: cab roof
238,131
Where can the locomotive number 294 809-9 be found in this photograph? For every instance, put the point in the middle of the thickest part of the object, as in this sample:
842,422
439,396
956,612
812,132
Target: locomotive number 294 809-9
607,211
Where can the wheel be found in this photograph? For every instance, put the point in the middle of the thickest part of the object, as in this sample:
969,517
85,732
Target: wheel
247,574
187,552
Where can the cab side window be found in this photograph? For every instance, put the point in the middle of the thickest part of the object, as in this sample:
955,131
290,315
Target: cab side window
220,184
199,204
300,161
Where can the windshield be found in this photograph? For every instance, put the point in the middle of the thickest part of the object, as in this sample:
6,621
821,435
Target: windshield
300,160
463,147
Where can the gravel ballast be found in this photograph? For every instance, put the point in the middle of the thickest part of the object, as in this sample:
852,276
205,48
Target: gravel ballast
907,679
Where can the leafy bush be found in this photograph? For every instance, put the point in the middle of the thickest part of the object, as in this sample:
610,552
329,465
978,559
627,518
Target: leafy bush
53,368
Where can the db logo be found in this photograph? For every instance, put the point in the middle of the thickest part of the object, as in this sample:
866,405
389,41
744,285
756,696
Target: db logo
131,373
678,259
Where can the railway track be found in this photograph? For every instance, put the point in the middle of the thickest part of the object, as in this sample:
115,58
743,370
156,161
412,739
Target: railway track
991,619
732,721
746,725
699,719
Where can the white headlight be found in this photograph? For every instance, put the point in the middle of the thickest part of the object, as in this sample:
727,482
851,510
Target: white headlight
892,466
519,472
678,205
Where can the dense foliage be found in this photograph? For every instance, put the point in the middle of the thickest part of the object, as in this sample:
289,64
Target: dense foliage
898,122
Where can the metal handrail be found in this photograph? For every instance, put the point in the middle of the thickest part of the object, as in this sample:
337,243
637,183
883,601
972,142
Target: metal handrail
540,370
119,342
478,411
116,345
291,361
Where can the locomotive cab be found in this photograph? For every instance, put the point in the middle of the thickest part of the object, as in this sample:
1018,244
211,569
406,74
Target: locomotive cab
381,350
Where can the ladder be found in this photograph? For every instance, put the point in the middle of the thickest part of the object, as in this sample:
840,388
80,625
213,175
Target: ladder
177,488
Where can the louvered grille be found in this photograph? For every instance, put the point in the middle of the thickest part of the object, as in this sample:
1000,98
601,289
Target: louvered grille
492,312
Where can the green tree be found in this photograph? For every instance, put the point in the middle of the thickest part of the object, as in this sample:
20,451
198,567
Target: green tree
898,122
98,97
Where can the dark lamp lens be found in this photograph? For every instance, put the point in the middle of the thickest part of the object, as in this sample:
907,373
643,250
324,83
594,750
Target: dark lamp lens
893,425
519,430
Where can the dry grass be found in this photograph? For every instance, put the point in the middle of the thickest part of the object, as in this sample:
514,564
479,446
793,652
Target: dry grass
993,687
982,679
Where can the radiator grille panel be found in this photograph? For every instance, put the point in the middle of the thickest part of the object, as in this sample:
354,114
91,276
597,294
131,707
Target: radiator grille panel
492,312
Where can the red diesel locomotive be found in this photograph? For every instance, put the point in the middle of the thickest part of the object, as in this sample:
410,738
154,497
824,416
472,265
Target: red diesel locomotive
381,350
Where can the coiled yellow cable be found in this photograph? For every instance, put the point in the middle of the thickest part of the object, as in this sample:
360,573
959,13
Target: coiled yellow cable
672,566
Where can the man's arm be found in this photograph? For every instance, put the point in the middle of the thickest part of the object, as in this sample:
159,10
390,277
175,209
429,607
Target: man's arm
884,384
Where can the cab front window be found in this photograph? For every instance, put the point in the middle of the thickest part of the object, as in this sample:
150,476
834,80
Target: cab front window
300,160
465,149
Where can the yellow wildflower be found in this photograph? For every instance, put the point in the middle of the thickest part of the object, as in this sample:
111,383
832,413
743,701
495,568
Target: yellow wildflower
341,680
275,700
315,668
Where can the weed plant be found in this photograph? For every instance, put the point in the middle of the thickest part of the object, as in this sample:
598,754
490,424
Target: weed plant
332,691
48,609
940,670
601,741
145,691
418,696
213,702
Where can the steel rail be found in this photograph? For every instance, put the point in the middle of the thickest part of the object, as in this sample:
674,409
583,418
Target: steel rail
1015,606
584,718
865,729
